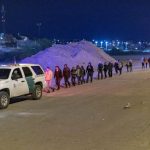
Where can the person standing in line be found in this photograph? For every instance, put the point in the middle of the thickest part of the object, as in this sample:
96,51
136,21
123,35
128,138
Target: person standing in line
48,79
116,67
143,63
78,69
120,67
127,66
130,65
146,62
73,76
110,69
149,61
100,70
82,75
105,69
58,76
66,75
89,71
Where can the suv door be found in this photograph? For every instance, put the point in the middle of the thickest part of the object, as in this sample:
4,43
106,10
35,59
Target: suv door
19,84
29,78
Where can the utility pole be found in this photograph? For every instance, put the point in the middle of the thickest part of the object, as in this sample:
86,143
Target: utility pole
3,19
39,24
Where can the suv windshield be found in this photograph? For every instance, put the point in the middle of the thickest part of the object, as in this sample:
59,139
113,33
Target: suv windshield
4,73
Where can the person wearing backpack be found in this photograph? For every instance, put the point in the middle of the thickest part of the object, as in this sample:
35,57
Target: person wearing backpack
66,75
110,69
116,66
89,71
100,70
105,69
73,76
78,70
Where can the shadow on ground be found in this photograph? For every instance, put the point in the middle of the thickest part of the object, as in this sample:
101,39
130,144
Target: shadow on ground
20,99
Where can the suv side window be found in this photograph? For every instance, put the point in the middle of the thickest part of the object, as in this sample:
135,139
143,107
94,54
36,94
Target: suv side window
27,71
16,74
37,70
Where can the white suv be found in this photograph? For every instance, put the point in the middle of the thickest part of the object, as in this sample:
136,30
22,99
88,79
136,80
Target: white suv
20,79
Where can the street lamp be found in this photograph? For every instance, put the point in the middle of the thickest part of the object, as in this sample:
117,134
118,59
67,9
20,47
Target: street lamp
118,43
140,44
101,44
96,42
126,43
106,45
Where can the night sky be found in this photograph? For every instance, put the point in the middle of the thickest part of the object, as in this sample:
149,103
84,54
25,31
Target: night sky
78,19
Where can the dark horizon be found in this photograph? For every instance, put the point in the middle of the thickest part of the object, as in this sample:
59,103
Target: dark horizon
76,19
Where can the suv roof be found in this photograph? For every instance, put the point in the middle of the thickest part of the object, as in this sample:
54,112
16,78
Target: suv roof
17,65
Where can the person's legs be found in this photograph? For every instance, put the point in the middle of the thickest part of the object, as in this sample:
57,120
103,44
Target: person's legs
73,81
91,76
58,84
116,70
98,75
111,73
66,82
78,78
83,80
87,80
101,74
47,86
105,73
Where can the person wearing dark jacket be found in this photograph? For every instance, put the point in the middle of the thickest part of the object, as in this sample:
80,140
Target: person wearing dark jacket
100,70
73,76
130,65
105,69
58,76
82,75
79,74
89,71
66,75
149,61
116,66
120,67
110,69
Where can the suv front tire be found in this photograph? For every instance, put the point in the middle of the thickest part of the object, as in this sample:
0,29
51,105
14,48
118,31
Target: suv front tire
4,100
37,93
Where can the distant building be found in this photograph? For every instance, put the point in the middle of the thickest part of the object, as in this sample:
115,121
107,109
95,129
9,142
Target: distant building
7,40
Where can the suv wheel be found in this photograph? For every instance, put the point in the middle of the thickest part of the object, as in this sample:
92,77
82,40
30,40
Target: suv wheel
4,100
37,93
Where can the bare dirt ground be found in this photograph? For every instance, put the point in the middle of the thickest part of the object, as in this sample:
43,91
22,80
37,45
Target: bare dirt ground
87,117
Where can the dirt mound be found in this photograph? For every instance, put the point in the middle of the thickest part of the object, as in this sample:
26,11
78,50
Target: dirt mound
72,54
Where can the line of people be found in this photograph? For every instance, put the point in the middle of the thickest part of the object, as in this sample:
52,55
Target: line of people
78,73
